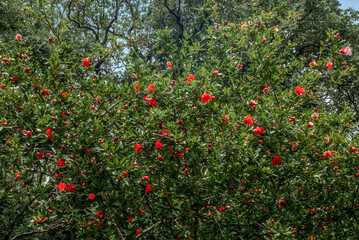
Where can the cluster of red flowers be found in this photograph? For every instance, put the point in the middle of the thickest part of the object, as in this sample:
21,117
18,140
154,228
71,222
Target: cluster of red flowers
69,188
206,97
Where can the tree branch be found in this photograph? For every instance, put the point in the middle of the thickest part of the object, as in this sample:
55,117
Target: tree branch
147,230
35,232
110,24
79,25
178,18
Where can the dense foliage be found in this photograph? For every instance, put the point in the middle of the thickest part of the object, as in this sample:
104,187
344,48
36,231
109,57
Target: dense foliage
222,136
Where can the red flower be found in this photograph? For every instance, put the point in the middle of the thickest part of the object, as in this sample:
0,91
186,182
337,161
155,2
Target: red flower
328,154
134,76
346,51
258,131
180,122
315,116
190,78
215,72
206,97
138,231
138,148
46,91
17,175
158,144
330,66
129,218
61,162
313,63
86,62
71,188
152,102
352,149
169,64
148,188
136,87
48,133
164,131
276,160
150,87
253,103
64,94
299,90
225,118
18,37
28,134
310,124
248,120
62,186
39,155
92,196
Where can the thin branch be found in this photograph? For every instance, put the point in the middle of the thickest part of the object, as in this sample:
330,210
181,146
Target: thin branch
147,230
79,25
110,23
118,232
35,232
177,16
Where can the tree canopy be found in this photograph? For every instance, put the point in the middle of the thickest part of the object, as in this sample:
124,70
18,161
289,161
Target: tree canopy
178,120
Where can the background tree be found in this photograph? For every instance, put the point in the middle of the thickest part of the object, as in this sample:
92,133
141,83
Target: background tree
226,137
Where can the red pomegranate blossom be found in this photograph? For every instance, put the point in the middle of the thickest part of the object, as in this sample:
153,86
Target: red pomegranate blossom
313,63
148,188
136,87
258,131
276,160
61,162
138,148
206,97
150,87
48,133
248,120
158,144
86,62
299,90
92,196
330,66
71,188
328,154
190,78
253,103
62,186
346,51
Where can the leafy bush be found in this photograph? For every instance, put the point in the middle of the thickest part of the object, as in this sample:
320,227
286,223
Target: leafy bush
225,141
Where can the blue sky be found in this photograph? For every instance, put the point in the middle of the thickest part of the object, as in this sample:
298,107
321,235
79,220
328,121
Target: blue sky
350,3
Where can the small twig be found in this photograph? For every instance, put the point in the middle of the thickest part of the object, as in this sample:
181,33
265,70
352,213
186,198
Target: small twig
147,230
35,232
